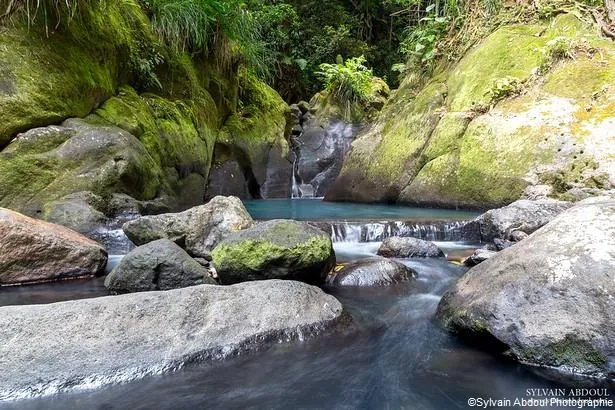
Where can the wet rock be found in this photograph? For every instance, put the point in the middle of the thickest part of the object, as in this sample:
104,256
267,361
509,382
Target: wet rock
36,251
371,272
479,256
45,349
277,249
548,300
523,215
398,247
198,230
158,265
320,151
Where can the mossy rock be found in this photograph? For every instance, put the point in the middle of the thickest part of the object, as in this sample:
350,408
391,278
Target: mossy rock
46,164
256,138
459,143
277,249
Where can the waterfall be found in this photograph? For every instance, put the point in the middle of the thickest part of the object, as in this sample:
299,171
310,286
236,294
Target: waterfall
359,232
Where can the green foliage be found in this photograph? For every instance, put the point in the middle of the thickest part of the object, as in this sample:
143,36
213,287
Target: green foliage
349,83
224,29
420,42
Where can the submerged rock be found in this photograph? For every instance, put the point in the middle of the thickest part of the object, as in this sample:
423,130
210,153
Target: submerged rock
45,349
277,249
550,299
158,265
371,272
398,247
520,217
198,230
36,251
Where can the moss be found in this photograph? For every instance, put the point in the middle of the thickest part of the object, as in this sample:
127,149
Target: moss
405,135
571,352
43,86
259,125
511,51
281,248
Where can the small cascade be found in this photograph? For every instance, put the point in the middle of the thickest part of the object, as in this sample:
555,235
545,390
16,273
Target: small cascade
360,232
319,146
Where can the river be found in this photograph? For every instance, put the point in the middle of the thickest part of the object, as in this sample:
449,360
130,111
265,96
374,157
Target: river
397,357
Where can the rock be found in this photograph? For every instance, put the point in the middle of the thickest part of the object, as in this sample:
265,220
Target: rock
45,349
548,300
320,151
521,216
36,251
253,148
277,249
75,214
198,230
517,236
455,144
158,265
479,256
44,164
501,244
371,272
398,247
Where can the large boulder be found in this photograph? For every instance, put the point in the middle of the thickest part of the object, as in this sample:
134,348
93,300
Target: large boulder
198,230
501,123
158,265
406,247
523,216
45,349
548,300
36,251
371,272
277,249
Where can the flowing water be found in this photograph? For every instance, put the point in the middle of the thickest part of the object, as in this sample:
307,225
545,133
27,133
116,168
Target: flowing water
397,357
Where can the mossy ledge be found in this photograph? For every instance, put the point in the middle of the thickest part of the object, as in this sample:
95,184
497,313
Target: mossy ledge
493,127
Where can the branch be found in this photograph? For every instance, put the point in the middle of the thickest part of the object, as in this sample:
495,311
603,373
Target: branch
604,26
610,10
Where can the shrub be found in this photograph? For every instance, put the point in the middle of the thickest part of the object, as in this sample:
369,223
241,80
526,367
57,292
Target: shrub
349,83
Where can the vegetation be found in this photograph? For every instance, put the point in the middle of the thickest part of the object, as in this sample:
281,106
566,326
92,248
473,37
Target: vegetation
349,83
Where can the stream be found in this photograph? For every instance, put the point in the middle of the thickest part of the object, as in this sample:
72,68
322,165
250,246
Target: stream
397,357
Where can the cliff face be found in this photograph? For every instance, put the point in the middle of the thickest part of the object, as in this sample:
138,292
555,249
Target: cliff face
529,111
72,120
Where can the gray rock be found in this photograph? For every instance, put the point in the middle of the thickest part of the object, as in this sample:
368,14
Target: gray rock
371,272
479,256
523,215
45,349
320,152
517,236
76,214
277,249
158,265
198,230
32,251
550,299
398,247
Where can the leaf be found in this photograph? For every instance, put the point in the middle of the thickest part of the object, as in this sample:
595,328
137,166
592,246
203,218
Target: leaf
302,63
430,8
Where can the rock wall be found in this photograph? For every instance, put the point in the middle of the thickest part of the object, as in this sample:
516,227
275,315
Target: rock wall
526,112
78,114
